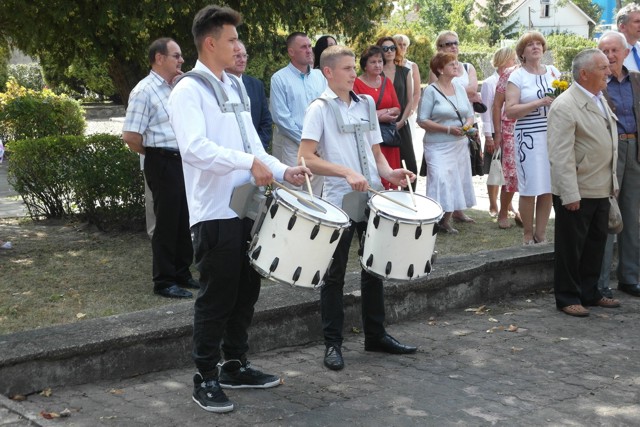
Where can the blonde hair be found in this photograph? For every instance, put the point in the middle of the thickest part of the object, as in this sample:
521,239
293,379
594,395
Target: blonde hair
442,35
502,56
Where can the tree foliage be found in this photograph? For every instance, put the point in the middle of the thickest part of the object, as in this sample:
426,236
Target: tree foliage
116,34
494,15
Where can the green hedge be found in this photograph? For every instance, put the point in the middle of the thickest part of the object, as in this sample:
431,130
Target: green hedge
95,178
27,113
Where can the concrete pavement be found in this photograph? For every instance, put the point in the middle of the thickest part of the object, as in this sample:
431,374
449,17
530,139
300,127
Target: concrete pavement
551,369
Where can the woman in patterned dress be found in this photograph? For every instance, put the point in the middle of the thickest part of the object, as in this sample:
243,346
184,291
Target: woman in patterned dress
528,103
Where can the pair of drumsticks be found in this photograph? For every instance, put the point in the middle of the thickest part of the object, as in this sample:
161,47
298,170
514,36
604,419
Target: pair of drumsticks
313,205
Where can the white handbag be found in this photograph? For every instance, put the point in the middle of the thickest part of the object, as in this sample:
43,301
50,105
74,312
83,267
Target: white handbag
496,177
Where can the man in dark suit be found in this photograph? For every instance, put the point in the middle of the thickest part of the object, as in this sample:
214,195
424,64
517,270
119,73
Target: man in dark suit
583,145
623,96
255,89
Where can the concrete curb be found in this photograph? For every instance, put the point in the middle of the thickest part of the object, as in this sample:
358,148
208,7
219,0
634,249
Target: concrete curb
158,339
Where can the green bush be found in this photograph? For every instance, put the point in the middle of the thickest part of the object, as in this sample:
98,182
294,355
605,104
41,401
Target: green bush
108,184
27,113
41,171
27,75
95,178
564,47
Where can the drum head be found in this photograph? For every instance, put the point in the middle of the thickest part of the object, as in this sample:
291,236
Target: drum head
428,209
333,215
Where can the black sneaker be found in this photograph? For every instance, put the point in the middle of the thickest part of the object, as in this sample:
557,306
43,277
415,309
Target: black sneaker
209,396
235,374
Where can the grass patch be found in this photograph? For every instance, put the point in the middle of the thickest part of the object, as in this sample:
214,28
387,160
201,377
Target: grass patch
65,272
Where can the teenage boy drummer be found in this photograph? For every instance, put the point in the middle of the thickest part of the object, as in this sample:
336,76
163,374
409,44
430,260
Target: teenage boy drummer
350,158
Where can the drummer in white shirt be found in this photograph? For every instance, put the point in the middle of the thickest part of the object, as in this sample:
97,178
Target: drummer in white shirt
216,158
336,155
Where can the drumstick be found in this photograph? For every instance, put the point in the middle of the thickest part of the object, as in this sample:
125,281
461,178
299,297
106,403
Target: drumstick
384,196
306,177
413,198
307,203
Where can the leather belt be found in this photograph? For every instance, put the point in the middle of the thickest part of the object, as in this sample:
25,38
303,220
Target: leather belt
165,152
627,136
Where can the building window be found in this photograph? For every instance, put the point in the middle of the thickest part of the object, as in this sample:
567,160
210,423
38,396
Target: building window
545,8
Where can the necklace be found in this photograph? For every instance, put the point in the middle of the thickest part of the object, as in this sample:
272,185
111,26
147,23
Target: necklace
375,85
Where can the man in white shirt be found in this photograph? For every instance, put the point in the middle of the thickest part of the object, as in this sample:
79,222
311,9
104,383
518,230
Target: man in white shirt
292,90
339,156
628,21
221,150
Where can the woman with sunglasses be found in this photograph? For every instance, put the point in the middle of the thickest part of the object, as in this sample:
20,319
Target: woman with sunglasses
372,82
447,42
402,83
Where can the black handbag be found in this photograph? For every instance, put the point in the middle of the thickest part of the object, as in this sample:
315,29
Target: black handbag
389,131
475,152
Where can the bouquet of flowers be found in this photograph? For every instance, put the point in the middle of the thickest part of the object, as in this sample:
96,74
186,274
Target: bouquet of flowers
559,86
469,130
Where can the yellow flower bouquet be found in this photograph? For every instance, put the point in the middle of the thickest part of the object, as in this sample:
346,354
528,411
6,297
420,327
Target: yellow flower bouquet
559,86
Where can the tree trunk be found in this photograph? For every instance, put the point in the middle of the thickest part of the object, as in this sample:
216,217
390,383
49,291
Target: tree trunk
125,76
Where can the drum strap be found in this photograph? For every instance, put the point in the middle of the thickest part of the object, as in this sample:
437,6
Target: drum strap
223,100
358,129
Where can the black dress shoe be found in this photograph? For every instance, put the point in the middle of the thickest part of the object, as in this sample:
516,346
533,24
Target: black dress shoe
388,344
190,284
606,292
629,289
333,358
173,291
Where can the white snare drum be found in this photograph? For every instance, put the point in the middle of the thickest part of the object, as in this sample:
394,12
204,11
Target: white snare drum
399,242
294,244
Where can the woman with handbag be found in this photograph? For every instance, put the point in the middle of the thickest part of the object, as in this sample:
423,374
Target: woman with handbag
527,102
400,76
448,42
502,59
445,113
372,82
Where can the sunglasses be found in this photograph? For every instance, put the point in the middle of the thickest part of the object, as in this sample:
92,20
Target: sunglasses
175,55
389,48
449,44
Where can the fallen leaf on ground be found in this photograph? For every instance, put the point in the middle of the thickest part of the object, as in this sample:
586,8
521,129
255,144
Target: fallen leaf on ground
491,319
65,413
615,377
81,316
116,391
355,330
46,392
478,310
49,415
18,397
512,328
516,349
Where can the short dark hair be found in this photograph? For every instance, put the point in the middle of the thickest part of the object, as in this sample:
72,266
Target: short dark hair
158,46
293,36
368,53
439,61
209,22
386,39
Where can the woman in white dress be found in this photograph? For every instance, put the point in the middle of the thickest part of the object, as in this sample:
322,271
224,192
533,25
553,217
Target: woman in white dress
448,42
528,103
445,143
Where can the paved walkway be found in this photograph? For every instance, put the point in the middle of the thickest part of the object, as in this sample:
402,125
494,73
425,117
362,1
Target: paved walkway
552,369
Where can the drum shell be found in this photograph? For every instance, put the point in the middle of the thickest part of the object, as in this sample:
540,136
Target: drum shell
297,241
397,248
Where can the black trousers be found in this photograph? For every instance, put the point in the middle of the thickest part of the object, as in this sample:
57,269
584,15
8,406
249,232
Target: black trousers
580,239
229,289
171,241
406,151
331,294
